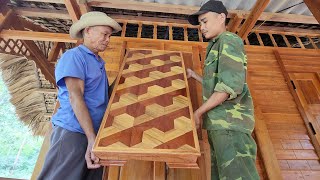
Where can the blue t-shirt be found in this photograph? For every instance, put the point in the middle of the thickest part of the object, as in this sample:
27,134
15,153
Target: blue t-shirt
81,63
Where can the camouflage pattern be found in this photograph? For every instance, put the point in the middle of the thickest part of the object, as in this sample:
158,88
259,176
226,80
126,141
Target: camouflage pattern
233,155
225,71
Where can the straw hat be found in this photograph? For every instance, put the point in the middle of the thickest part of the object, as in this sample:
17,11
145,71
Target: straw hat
93,18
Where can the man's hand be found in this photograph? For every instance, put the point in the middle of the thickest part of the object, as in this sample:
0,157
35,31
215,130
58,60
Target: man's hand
197,118
91,159
190,73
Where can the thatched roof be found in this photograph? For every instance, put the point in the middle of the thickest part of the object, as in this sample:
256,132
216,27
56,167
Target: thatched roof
32,95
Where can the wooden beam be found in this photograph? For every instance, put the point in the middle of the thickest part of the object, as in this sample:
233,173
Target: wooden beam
124,29
286,41
31,26
314,6
273,40
46,1
185,33
3,7
200,35
36,36
40,60
44,13
61,37
266,147
84,7
155,31
234,23
139,30
7,20
259,39
170,8
186,10
299,42
287,31
170,32
313,44
61,14
55,51
253,17
144,6
73,9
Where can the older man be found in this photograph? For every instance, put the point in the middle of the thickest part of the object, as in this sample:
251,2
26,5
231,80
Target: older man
83,96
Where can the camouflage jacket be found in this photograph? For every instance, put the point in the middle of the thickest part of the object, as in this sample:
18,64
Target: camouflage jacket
225,71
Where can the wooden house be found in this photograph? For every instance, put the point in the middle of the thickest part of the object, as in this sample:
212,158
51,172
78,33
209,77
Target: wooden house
282,41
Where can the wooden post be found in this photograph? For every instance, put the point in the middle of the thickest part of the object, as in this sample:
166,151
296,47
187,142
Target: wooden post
185,33
139,30
124,28
266,147
170,32
273,40
313,44
155,31
259,39
44,149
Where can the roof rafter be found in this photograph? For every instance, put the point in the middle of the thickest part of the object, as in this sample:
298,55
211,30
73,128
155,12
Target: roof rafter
55,51
84,7
249,23
73,9
4,22
173,9
314,6
234,24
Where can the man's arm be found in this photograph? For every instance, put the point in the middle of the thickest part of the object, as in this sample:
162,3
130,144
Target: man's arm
76,91
191,73
215,99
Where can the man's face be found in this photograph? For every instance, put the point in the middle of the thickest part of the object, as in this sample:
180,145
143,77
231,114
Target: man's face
211,24
98,37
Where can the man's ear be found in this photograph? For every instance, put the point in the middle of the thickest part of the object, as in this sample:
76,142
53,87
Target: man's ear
86,31
223,18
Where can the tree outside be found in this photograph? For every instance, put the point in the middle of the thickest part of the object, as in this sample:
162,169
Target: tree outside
19,149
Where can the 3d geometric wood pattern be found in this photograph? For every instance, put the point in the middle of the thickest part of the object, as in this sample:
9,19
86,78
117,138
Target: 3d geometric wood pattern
149,116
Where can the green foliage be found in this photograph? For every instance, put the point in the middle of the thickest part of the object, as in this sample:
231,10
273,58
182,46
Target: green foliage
15,136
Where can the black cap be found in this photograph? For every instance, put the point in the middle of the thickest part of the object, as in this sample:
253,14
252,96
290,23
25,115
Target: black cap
210,6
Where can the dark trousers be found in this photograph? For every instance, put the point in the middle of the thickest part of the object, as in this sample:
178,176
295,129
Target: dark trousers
66,157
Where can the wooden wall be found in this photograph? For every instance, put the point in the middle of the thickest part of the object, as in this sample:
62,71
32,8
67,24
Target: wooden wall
295,153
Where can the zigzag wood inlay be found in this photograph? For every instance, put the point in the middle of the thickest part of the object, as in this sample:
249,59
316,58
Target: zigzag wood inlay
149,109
